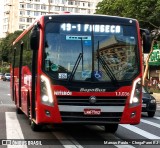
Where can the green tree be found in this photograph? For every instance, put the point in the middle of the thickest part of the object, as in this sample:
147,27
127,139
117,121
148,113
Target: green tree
5,46
146,12
111,7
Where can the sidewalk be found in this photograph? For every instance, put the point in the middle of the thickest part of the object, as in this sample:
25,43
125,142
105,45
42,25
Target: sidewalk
157,97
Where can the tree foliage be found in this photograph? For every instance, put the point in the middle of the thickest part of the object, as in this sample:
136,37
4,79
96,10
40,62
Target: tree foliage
111,7
5,46
146,12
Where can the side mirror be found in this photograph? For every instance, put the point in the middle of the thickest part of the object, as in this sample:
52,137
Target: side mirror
146,37
34,38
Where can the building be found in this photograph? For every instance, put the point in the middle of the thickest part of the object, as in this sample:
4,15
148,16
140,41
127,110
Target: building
1,18
19,14
154,63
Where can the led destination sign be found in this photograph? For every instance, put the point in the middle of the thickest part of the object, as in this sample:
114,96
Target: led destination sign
68,27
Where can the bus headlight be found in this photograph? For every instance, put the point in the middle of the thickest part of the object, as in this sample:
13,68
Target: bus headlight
46,91
136,93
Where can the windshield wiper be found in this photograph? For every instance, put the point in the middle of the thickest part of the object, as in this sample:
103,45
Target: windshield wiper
107,70
75,67
105,67
77,63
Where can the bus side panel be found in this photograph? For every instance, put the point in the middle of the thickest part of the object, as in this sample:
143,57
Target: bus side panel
41,110
131,115
128,114
45,113
140,49
25,83
43,117
11,83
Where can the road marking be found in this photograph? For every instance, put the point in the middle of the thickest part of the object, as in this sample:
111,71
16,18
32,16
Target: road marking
1,102
150,123
13,129
9,94
108,136
140,131
10,105
157,118
66,140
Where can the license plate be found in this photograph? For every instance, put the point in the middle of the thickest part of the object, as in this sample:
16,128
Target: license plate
88,111
143,105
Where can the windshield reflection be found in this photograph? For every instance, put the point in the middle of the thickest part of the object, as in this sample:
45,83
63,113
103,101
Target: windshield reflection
104,57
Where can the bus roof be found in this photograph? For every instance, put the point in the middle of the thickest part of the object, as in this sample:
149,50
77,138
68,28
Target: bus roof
94,18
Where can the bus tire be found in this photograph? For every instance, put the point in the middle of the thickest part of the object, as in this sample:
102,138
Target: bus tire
111,128
151,114
35,127
18,110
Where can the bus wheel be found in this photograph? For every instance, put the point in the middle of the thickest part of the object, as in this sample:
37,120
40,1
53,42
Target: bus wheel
111,128
151,114
18,110
35,127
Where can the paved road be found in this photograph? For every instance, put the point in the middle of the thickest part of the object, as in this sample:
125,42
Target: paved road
14,126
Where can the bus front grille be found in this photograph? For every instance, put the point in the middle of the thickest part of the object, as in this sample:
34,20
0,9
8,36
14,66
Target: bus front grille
72,109
84,101
79,117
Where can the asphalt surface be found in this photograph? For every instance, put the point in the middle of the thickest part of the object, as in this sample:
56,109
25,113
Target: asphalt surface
73,136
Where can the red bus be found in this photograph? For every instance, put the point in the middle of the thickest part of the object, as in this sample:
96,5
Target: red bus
81,69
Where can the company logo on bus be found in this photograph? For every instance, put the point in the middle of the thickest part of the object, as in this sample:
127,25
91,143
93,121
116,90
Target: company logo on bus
63,93
92,99
92,90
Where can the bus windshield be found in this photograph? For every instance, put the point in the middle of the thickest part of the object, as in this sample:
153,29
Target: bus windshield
90,52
